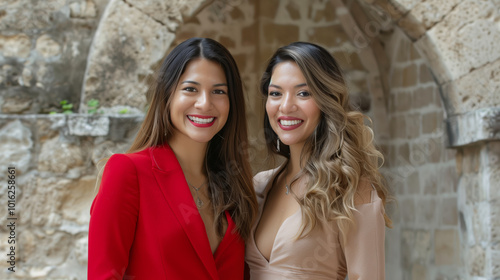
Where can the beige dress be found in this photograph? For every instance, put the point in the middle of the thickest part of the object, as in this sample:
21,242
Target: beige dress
322,254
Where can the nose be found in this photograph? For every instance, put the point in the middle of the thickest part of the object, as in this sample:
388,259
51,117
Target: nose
288,103
204,101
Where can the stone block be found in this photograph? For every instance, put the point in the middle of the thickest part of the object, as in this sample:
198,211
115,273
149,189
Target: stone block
465,39
431,12
36,211
446,247
495,264
410,75
404,153
407,250
424,96
477,261
293,10
425,74
413,183
249,35
423,246
77,199
169,13
475,90
81,250
327,36
88,125
268,9
430,184
448,181
449,211
491,173
413,125
280,34
412,26
418,272
18,45
403,102
141,47
432,122
406,5
52,249
16,145
407,211
427,211
16,105
322,12
47,47
396,78
398,127
59,157
83,9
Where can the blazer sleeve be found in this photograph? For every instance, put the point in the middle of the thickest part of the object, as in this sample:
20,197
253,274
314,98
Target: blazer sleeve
113,219
364,246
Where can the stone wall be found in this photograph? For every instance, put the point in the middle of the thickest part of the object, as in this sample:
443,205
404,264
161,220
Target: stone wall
55,159
429,81
424,243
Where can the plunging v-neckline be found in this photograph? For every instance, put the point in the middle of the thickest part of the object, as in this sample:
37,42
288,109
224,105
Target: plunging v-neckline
261,212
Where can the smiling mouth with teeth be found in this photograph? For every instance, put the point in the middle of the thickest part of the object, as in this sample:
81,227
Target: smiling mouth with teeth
201,120
290,122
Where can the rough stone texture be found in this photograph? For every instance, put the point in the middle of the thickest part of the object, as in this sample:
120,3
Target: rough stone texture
43,52
15,146
47,47
472,127
15,46
431,12
447,247
169,13
85,125
142,46
464,40
59,157
479,89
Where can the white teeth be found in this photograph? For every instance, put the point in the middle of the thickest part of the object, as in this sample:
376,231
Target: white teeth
200,120
289,123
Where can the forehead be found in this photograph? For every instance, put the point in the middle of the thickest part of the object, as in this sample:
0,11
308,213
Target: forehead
287,72
203,68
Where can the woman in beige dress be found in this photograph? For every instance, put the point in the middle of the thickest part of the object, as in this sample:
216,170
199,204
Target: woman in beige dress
322,212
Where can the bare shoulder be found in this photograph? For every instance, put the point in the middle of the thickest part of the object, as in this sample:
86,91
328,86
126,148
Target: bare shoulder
363,192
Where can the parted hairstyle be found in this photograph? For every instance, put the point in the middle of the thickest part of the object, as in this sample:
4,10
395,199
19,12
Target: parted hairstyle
226,161
340,152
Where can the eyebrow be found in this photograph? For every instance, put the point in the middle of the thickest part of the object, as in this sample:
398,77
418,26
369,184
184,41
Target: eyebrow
196,83
297,86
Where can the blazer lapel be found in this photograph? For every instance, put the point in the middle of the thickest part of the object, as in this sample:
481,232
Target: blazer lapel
171,180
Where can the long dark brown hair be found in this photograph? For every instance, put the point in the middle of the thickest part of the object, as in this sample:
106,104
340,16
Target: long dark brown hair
226,161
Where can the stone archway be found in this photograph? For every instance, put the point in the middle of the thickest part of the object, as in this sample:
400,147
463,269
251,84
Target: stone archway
457,42
126,49
458,39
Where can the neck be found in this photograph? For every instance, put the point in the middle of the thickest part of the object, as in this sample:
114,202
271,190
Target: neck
190,154
294,163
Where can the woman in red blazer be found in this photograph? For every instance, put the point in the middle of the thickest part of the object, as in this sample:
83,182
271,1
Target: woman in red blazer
179,203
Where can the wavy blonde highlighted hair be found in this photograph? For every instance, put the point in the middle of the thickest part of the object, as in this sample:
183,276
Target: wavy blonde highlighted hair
340,151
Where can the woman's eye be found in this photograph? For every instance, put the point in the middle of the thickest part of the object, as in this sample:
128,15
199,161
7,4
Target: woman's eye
219,91
190,89
304,94
274,93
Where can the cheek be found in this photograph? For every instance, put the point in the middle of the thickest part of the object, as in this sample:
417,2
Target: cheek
271,108
223,106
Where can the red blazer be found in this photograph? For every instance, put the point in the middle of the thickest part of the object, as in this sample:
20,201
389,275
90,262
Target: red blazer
145,225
